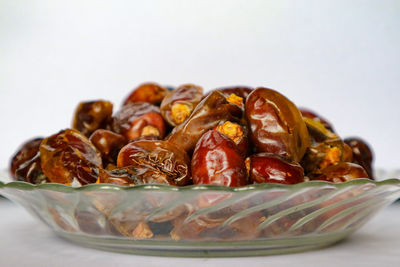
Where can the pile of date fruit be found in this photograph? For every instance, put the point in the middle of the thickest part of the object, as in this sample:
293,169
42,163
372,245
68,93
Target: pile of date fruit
230,136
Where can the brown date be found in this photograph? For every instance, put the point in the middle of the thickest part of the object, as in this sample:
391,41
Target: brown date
179,103
148,92
236,95
92,115
31,171
326,148
156,162
208,114
68,157
109,144
340,172
276,125
272,168
362,154
27,151
139,119
216,160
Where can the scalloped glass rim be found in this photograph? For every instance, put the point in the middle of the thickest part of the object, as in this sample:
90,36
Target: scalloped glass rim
254,187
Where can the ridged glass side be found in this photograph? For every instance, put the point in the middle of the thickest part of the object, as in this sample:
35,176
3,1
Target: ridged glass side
205,220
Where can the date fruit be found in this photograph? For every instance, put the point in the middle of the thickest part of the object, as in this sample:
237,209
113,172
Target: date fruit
236,95
306,113
180,102
148,92
272,168
68,157
92,115
340,172
210,112
156,162
135,120
216,160
276,125
109,144
27,151
237,133
326,148
362,154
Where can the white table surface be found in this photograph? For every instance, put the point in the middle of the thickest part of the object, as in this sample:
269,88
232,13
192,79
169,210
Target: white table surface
24,241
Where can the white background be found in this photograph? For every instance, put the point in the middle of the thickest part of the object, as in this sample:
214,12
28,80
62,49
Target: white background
341,58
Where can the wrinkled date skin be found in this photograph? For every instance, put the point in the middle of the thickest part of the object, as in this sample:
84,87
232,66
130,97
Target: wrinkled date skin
238,133
341,172
216,160
148,92
208,114
27,151
180,103
69,155
272,168
362,154
109,144
276,125
92,115
156,162
139,119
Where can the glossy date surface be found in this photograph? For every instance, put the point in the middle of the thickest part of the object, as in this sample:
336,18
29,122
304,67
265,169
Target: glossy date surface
135,120
109,144
272,168
217,160
276,125
26,152
92,115
208,114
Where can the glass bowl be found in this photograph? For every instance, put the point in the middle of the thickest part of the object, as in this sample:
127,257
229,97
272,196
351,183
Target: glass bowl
205,221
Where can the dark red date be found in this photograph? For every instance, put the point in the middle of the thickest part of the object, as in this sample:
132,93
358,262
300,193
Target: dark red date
216,160
139,119
272,168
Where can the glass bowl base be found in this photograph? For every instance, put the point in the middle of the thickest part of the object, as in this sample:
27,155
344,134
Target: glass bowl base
205,249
